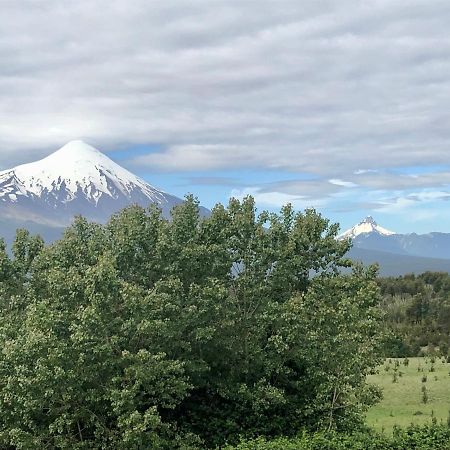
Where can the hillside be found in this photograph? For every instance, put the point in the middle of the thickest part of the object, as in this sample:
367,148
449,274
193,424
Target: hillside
392,264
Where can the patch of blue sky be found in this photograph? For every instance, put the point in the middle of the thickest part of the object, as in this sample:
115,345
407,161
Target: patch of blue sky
125,154
399,211
212,187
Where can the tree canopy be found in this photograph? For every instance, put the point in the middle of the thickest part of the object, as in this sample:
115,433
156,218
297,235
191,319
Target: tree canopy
148,333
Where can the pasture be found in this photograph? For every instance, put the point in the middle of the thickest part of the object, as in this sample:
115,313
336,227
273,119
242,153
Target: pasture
415,390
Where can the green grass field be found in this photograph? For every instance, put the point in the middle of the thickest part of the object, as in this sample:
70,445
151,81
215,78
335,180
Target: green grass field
403,400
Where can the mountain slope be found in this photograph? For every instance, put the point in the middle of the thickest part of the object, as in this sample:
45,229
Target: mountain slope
394,265
366,226
370,236
76,179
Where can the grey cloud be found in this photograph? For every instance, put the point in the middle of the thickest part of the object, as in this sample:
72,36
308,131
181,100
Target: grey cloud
311,189
351,207
401,202
429,196
200,157
395,181
324,88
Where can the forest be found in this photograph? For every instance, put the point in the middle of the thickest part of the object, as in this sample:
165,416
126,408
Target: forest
197,332
417,312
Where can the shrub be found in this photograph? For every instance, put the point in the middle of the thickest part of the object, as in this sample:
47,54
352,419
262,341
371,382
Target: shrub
424,397
430,437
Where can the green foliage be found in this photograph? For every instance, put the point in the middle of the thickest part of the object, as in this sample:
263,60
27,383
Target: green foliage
423,438
145,333
417,314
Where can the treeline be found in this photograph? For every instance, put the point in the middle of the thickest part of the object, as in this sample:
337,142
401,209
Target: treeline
147,334
417,313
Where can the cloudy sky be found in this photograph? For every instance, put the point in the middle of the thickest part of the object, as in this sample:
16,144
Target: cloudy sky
343,106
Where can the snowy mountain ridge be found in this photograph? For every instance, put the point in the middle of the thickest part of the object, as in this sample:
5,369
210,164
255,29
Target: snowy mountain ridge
368,236
367,225
76,179
73,168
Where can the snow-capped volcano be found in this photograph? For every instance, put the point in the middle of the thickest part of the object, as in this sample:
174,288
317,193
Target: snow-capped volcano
76,179
396,253
368,225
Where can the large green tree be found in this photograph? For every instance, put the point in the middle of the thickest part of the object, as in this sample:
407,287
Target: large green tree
147,333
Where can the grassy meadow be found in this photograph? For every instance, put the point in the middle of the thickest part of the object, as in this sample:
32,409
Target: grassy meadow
413,393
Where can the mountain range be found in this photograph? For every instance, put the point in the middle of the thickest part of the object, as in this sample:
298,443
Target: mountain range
397,253
44,196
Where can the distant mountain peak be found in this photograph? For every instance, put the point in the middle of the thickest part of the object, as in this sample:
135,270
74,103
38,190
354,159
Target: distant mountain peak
368,219
76,179
77,169
367,225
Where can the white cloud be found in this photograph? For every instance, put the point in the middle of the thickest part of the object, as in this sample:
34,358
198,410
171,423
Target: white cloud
303,87
404,202
363,171
276,199
397,181
338,182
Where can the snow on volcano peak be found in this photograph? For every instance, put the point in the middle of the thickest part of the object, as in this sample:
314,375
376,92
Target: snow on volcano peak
367,225
78,166
76,179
